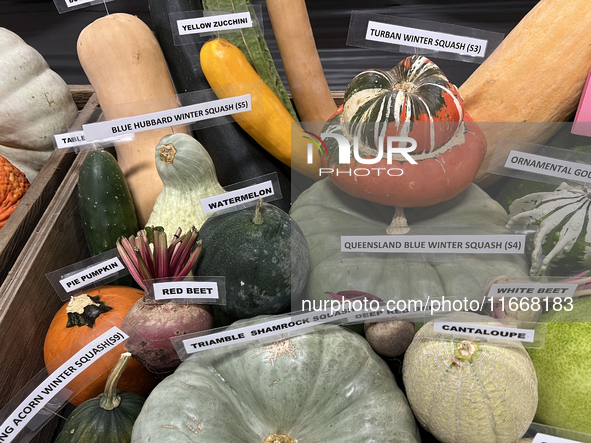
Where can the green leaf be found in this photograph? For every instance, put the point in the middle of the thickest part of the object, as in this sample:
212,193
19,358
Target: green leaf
252,44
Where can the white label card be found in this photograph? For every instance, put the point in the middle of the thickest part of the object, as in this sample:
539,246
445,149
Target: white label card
420,38
223,22
91,274
524,161
171,117
543,438
58,380
532,289
186,289
485,331
436,244
72,3
72,139
237,197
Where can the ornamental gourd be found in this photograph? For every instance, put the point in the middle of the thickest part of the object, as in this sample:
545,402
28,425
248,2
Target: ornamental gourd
13,185
561,241
106,418
414,101
327,385
188,175
325,214
464,390
35,104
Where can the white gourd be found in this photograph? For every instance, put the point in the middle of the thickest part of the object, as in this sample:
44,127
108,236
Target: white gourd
188,175
35,104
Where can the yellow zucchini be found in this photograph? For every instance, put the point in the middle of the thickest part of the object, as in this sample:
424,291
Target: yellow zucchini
269,123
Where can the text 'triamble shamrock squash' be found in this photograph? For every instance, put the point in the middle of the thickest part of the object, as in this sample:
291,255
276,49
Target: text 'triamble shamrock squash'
414,100
188,175
13,185
324,213
106,418
60,338
262,254
325,386
465,391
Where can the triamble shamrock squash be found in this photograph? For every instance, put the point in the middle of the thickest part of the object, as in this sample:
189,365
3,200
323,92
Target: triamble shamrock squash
465,391
35,104
416,100
13,185
69,331
324,213
561,242
324,386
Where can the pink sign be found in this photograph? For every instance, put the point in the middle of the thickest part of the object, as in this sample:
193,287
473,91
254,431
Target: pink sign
582,124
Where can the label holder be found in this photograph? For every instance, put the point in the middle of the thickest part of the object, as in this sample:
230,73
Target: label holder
216,285
362,23
271,191
66,284
255,13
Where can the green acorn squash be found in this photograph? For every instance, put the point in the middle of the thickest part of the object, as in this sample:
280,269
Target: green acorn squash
106,418
325,386
324,213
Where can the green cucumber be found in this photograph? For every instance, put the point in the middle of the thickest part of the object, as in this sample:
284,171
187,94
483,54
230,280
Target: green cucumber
106,208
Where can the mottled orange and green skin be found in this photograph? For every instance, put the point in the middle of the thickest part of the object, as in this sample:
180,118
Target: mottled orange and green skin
563,367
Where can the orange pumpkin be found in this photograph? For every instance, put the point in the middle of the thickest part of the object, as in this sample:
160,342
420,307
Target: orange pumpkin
13,185
61,338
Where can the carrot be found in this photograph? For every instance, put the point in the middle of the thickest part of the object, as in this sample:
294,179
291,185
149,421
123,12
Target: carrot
305,76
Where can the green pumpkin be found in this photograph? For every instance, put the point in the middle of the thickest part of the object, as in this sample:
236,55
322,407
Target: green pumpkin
106,418
325,213
324,386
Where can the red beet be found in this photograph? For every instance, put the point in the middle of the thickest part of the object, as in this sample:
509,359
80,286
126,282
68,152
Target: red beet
150,327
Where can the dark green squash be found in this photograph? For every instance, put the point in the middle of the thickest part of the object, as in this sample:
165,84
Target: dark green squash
106,207
262,254
106,418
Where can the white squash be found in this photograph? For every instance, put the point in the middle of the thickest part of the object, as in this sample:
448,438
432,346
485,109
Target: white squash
35,103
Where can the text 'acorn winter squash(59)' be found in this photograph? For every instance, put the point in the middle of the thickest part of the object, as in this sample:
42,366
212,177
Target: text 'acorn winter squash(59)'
411,144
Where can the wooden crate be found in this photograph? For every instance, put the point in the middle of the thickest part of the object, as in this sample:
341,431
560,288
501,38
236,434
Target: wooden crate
27,300
23,220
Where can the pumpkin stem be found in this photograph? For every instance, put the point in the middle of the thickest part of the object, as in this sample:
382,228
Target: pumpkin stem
258,217
167,153
109,399
399,225
83,310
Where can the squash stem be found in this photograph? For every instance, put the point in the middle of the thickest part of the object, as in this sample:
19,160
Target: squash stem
109,400
258,217
399,225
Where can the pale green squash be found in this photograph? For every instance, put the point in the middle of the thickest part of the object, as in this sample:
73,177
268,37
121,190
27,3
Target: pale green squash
466,391
324,213
188,175
323,387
